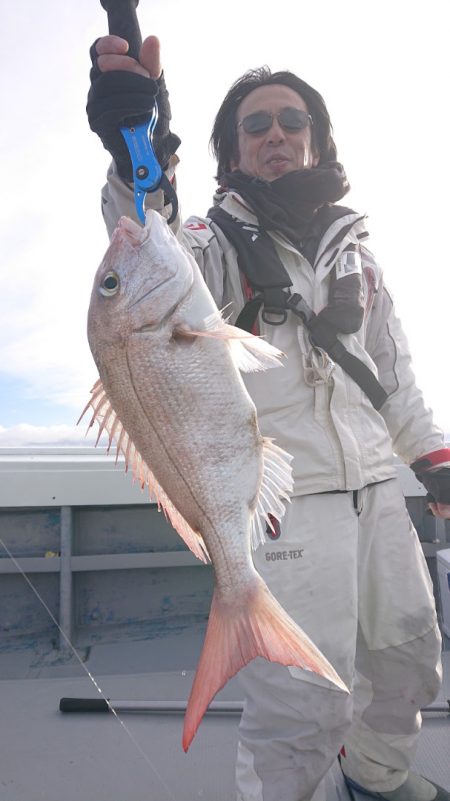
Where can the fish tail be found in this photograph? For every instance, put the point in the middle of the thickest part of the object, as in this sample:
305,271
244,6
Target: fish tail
259,627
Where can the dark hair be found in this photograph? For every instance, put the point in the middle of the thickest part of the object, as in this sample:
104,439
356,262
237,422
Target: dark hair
224,139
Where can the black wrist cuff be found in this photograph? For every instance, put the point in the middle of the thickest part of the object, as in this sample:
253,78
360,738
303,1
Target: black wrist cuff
437,484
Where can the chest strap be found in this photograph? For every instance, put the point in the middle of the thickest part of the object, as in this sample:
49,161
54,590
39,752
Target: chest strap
258,260
323,334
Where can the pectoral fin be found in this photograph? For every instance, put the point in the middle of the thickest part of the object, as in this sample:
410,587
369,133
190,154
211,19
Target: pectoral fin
250,353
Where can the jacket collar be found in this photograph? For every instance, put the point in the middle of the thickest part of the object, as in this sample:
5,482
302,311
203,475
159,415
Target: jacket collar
347,228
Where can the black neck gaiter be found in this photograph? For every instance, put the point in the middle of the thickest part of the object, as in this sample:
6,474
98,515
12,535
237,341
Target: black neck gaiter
289,203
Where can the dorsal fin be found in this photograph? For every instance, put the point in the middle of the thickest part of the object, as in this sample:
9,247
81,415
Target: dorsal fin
108,420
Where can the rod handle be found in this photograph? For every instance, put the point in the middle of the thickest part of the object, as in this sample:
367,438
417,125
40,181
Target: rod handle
123,22
83,705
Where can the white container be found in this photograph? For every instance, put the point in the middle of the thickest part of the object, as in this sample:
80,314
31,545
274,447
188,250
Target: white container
443,567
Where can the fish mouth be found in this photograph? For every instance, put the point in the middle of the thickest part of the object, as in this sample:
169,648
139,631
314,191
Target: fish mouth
150,291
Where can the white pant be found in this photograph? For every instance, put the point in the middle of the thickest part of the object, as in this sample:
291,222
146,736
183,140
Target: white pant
355,579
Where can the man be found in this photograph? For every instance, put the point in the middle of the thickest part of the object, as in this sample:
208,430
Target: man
346,563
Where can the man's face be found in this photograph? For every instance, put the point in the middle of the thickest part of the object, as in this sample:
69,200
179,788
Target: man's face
276,151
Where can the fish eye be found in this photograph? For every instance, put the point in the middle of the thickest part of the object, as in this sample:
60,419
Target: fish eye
110,284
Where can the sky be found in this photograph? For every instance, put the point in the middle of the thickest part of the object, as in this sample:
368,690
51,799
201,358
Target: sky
382,69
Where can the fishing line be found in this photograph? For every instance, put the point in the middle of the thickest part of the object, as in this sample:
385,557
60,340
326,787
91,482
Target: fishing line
93,680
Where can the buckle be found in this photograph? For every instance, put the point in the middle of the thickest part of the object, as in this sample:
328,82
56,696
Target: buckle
299,306
281,313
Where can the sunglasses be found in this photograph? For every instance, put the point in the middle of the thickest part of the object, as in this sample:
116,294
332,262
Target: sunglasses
290,119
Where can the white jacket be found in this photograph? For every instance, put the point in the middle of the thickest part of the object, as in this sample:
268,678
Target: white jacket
310,406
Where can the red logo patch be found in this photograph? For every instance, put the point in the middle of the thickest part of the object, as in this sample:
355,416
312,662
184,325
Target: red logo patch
196,226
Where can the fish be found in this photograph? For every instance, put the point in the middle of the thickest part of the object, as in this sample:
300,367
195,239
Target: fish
171,397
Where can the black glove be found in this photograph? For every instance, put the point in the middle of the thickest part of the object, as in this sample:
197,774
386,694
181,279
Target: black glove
120,97
436,482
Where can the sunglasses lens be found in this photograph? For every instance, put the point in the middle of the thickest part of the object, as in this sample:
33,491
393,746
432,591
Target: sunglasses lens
259,122
293,119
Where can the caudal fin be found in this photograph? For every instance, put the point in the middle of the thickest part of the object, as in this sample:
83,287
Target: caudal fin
235,636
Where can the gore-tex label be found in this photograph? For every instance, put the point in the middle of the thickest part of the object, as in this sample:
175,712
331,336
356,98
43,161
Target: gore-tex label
283,556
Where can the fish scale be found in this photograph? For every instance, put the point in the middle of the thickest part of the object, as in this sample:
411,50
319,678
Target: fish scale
189,435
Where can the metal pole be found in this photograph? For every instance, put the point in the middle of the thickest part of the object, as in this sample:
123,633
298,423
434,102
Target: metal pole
176,707
65,577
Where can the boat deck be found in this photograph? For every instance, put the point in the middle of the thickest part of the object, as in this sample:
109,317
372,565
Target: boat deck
46,754
120,585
